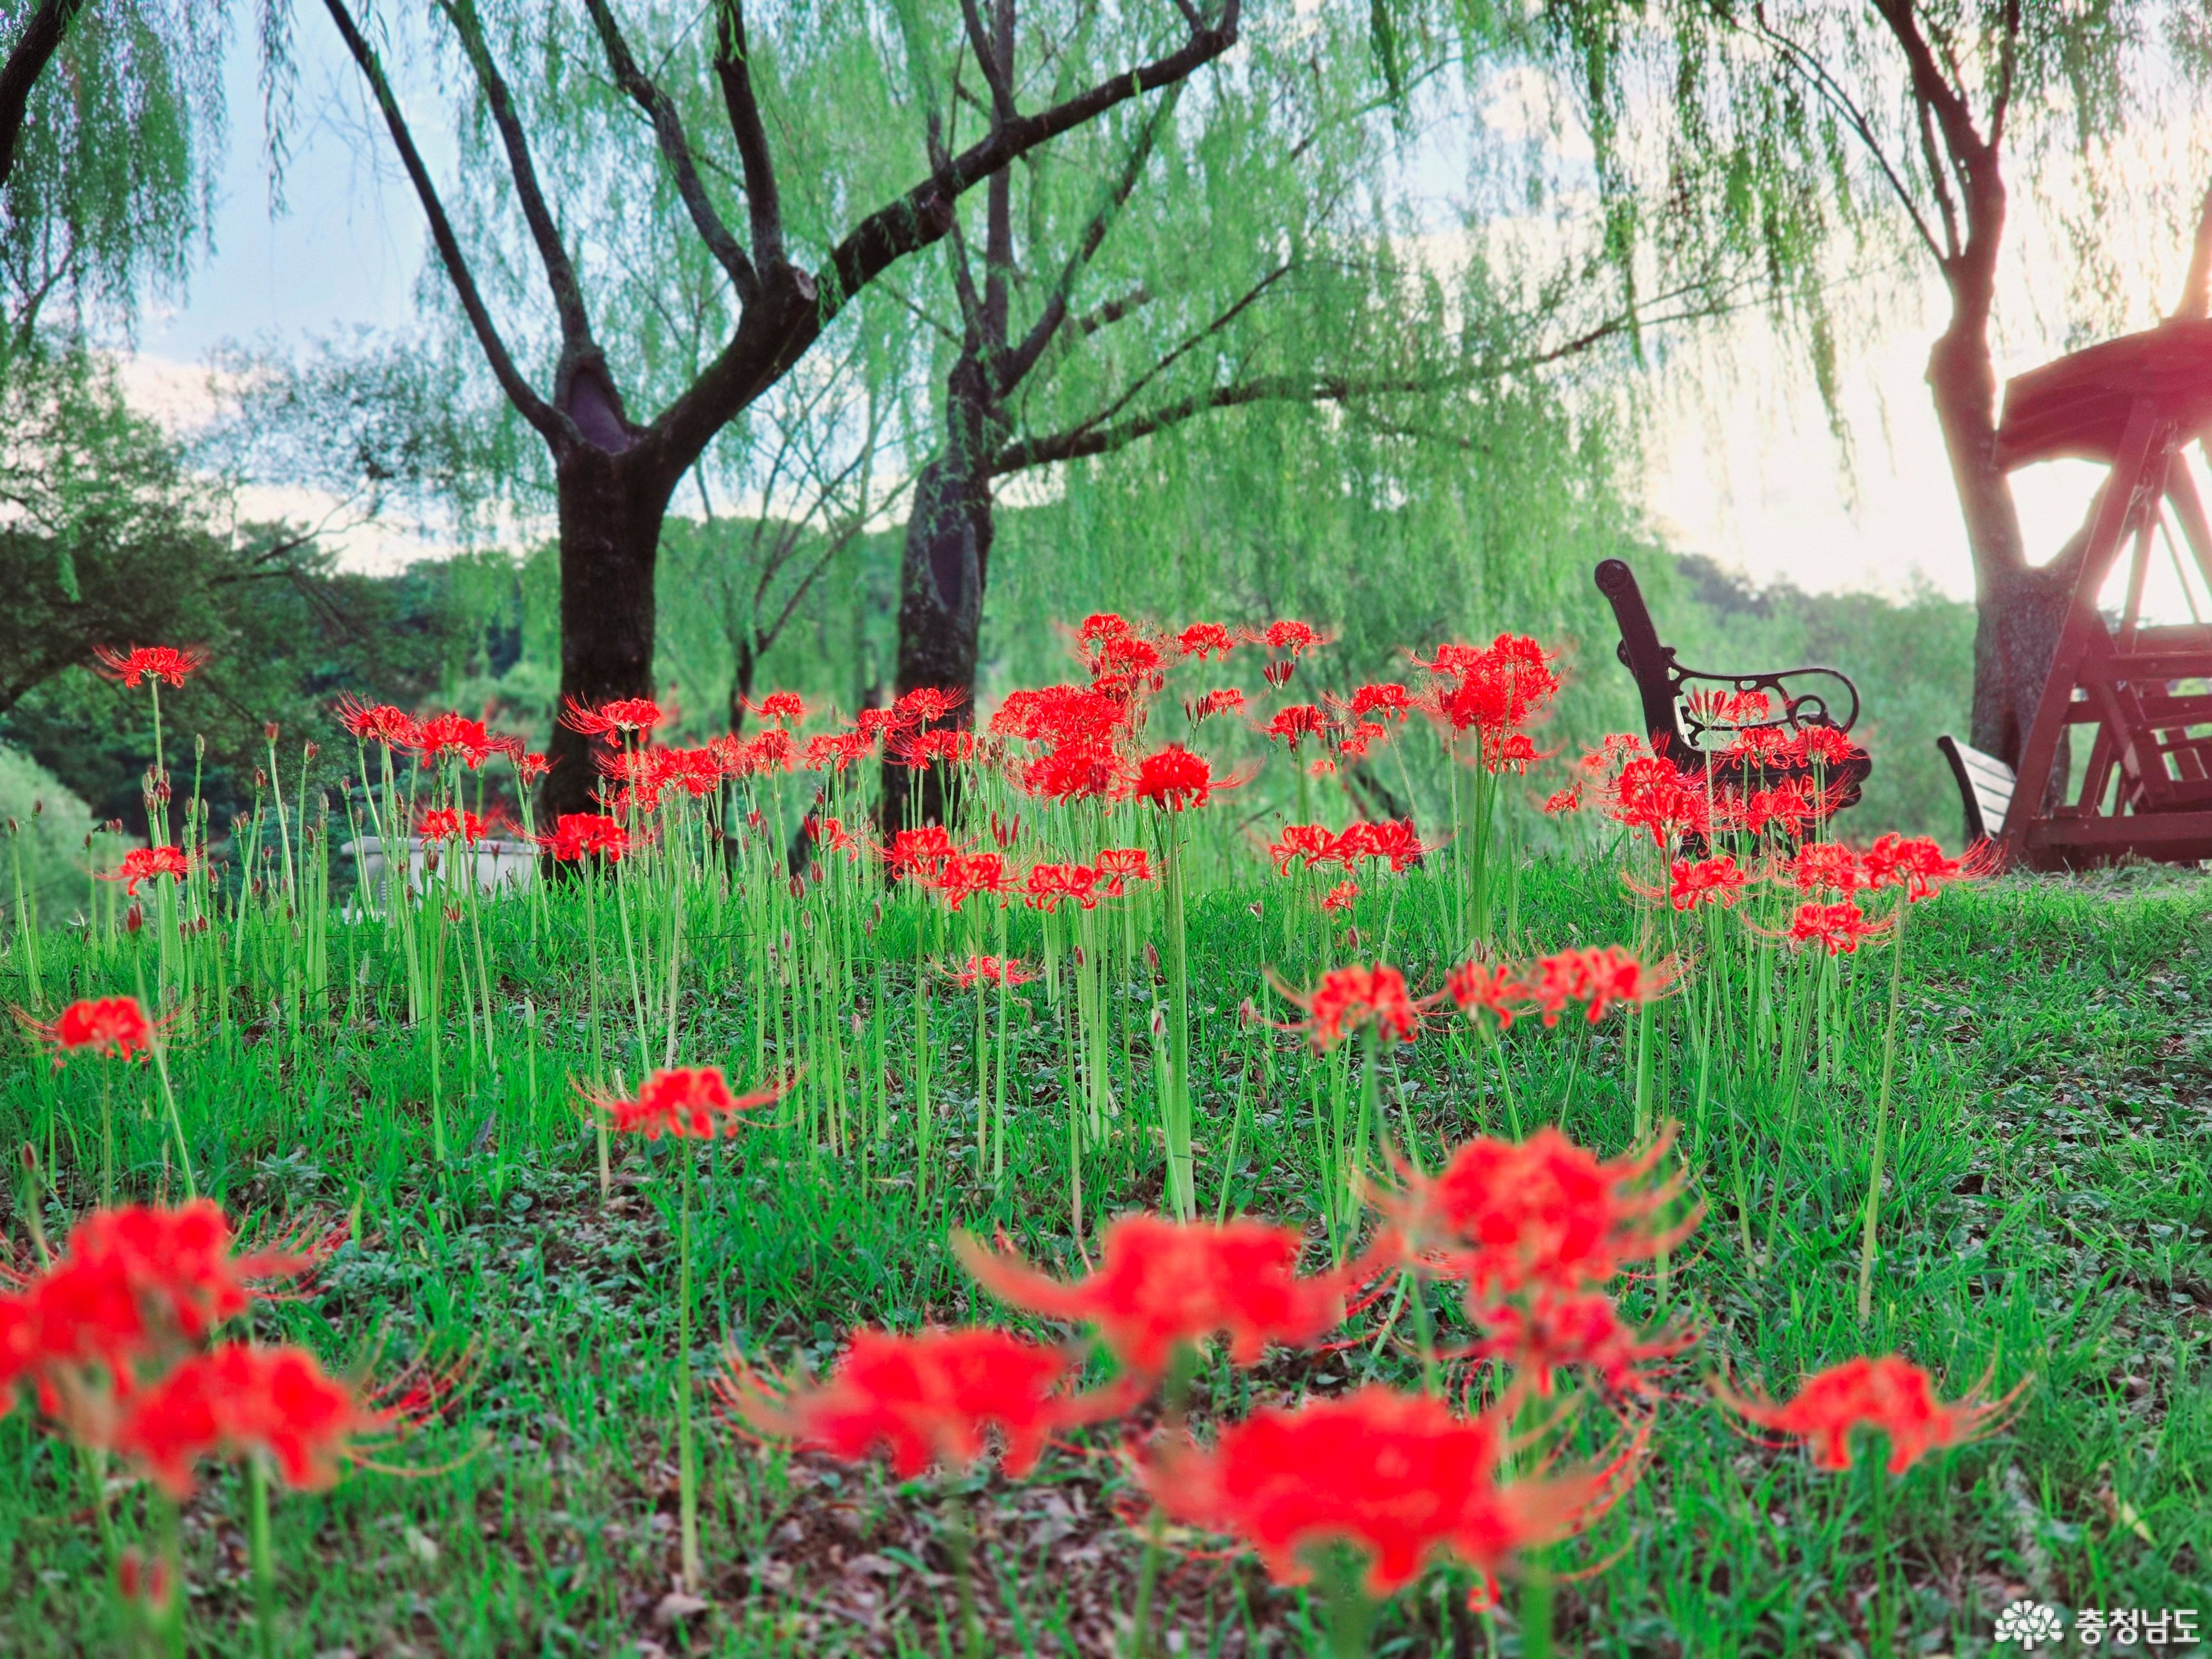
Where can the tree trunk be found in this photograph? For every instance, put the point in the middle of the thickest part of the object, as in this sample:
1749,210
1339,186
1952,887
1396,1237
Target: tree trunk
947,561
2019,607
610,509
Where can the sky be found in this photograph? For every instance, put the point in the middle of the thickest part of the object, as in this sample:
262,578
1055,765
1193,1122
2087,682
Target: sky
1742,467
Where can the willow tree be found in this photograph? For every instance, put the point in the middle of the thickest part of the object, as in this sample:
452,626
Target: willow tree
1894,132
1241,242
110,121
694,165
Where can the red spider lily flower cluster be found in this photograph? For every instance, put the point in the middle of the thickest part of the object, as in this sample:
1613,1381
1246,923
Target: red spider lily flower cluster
117,1026
921,853
1342,897
239,1399
1161,1284
144,863
691,1103
1288,640
1205,641
1392,840
1351,1000
1536,1230
1888,1393
1601,977
170,664
470,742
446,824
578,836
1224,700
936,1397
1917,866
962,875
1694,884
1174,780
1493,691
395,728
1004,971
109,1334
1838,927
1398,1477
619,717
780,708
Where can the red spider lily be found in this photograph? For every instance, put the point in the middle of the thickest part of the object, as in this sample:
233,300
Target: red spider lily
1553,1331
1494,988
1792,805
831,836
927,704
1007,972
1074,771
1729,707
1128,660
103,1025
1341,897
952,746
466,740
768,750
1384,697
832,751
240,1399
1650,793
923,852
1824,746
1349,1000
130,1281
1046,885
782,707
1101,626
141,662
1699,882
144,863
1161,1284
873,723
1889,1392
617,717
1291,725
1600,976
443,824
698,772
1564,800
1294,638
966,874
395,728
1838,928
1397,1476
1538,1214
1391,839
691,1103
1823,867
1277,673
577,835
1758,746
1352,745
1492,691
530,767
1204,641
1061,715
1119,866
926,1399
1920,866
1174,779
1311,842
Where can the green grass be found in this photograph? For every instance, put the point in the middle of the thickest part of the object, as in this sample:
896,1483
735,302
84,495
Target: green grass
2046,1216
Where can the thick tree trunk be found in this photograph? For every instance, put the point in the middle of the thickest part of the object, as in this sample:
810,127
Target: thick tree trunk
2018,606
947,560
610,509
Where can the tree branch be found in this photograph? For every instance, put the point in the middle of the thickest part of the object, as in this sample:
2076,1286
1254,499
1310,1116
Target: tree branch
555,427
920,215
2196,286
559,272
42,38
1023,358
1113,311
734,69
675,149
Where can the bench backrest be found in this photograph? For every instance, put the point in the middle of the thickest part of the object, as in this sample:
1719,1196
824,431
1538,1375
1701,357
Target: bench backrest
1986,786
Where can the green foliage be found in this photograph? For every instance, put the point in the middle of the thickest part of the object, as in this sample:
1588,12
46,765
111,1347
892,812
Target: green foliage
45,828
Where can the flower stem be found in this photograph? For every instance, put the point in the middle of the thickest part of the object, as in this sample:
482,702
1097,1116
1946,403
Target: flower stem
264,1566
687,1474
1881,1120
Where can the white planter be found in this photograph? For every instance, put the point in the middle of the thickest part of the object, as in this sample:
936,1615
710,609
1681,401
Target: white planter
499,864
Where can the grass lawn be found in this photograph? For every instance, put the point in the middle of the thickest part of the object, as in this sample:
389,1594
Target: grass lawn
2047,1199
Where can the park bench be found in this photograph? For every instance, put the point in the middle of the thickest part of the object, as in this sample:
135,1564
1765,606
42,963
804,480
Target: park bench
1798,698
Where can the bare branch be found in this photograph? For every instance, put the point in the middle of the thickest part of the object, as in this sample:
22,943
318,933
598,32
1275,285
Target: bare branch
988,59
676,150
555,427
734,69
559,272
1245,302
1113,311
2197,286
